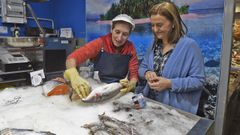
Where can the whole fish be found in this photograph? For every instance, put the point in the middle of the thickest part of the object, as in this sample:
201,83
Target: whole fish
103,92
16,131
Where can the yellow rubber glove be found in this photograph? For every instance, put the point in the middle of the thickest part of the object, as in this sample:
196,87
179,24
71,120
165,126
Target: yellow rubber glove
127,86
80,85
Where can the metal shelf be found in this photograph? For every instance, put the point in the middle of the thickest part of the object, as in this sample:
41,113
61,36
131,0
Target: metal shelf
14,72
13,80
14,76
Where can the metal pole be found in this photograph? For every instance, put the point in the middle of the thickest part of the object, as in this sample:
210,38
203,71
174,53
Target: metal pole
45,19
225,67
35,18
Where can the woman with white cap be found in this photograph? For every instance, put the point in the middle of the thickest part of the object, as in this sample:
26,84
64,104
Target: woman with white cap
113,55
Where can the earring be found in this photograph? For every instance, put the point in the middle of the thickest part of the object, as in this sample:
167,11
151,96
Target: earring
173,27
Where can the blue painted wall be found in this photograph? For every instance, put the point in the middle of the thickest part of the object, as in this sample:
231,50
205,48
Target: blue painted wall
71,13
64,14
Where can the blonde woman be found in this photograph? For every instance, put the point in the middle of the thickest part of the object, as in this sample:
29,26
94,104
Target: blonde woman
173,67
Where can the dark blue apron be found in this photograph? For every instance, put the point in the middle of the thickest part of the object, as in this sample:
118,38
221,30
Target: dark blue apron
111,67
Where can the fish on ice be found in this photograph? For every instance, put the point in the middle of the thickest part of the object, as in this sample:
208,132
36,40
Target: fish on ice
99,91
55,86
16,131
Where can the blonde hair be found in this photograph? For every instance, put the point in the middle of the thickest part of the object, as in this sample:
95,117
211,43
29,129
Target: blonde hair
170,11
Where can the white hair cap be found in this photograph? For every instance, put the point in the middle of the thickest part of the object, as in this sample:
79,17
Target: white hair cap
125,18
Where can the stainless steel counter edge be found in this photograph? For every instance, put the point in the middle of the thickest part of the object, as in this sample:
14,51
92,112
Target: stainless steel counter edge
202,127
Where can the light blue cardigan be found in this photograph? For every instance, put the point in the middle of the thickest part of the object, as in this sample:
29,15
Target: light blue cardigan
185,68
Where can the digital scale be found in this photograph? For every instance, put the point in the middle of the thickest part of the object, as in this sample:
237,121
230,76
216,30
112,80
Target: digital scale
14,62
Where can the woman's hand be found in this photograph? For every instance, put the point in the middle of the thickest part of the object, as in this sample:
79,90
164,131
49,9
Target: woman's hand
150,76
160,84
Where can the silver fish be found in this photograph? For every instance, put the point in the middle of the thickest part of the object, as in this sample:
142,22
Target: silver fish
16,131
103,92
